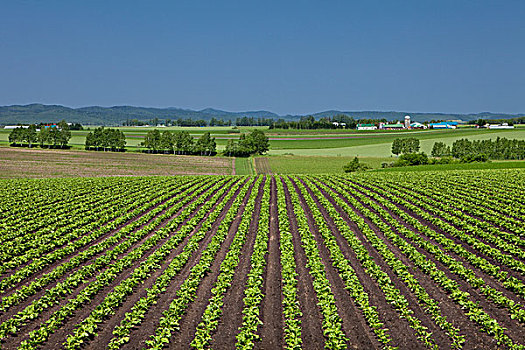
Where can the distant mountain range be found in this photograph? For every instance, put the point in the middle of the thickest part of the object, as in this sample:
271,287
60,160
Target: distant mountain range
95,115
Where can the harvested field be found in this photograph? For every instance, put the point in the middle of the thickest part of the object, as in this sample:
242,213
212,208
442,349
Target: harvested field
40,163
374,260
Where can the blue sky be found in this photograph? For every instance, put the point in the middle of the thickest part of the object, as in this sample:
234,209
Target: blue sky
285,56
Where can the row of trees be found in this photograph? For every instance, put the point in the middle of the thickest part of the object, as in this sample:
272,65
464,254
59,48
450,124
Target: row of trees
305,122
220,122
251,121
167,122
47,136
500,148
179,142
512,121
255,142
102,139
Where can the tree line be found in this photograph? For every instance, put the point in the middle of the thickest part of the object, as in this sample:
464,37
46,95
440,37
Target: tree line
500,149
166,122
511,121
50,136
339,121
102,139
179,142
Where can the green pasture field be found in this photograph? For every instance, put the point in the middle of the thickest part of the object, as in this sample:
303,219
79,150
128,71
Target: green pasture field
317,164
381,146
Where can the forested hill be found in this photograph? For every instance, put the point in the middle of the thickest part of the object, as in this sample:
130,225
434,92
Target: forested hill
36,113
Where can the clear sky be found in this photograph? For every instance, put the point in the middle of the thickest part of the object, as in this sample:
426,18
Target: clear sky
284,56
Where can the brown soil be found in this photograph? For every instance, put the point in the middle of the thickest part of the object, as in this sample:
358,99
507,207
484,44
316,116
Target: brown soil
44,163
271,331
262,166
51,267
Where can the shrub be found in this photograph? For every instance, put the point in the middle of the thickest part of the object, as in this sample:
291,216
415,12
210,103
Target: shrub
354,166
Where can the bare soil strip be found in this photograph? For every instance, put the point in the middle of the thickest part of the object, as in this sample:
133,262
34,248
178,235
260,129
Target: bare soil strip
89,245
402,334
48,269
363,197
448,308
271,331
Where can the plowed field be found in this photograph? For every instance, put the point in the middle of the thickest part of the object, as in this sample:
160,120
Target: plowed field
407,260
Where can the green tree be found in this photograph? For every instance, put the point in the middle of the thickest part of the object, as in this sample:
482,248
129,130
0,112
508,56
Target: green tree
411,145
44,136
440,149
31,135
397,146
462,148
258,142
152,140
409,159
183,142
167,141
16,136
63,134
205,145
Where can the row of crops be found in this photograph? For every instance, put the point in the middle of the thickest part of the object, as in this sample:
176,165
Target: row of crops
393,260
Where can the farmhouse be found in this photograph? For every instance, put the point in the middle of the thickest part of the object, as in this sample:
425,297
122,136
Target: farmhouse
500,126
16,126
366,127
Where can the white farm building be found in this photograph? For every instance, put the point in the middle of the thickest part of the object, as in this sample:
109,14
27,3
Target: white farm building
366,127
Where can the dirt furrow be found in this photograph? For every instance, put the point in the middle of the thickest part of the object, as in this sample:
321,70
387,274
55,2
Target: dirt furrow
53,265
271,331
15,309
105,333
